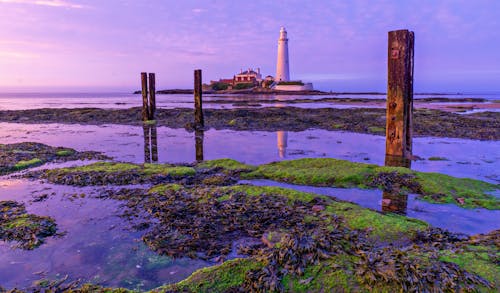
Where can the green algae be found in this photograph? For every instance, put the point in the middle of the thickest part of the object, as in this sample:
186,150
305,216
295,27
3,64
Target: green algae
380,226
291,194
217,278
28,164
162,188
476,259
65,152
28,230
226,164
146,169
103,173
437,159
434,187
447,189
166,169
333,275
376,129
109,167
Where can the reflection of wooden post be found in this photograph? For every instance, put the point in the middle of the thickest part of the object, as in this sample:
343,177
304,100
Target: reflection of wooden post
198,137
147,138
394,202
145,108
154,144
152,97
198,107
399,125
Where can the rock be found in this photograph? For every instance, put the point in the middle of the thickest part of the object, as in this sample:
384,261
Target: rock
318,208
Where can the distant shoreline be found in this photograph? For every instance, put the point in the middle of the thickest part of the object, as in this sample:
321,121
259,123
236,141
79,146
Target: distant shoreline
275,92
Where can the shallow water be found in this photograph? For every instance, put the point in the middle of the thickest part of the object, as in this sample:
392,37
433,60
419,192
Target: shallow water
446,216
98,246
463,157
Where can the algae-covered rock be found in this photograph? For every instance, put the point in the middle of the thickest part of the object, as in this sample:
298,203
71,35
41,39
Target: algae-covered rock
104,173
19,156
434,187
28,230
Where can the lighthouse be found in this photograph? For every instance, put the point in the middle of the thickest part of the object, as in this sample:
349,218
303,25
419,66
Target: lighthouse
282,67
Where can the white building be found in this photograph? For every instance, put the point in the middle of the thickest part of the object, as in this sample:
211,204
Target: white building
282,65
282,80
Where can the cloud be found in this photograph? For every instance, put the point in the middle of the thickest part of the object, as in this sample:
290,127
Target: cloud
198,10
51,3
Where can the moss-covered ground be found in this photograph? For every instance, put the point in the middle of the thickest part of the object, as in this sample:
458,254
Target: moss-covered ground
27,230
20,156
433,187
296,241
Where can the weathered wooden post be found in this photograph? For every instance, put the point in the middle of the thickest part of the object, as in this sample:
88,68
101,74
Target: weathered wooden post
152,97
145,108
198,106
198,138
399,125
154,143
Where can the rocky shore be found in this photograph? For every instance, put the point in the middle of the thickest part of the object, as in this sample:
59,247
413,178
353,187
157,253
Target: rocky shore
483,126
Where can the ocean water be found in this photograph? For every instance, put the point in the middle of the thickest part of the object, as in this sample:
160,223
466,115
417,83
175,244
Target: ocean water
21,101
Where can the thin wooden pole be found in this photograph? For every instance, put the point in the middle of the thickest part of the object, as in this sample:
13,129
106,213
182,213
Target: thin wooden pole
145,108
198,106
399,125
152,97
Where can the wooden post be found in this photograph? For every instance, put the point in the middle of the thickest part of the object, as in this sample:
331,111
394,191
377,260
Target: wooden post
145,108
198,107
399,125
152,97
198,139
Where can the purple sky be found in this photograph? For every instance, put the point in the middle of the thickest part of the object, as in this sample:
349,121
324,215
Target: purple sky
338,45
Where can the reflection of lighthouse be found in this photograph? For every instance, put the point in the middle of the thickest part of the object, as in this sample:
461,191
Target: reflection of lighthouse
282,69
282,142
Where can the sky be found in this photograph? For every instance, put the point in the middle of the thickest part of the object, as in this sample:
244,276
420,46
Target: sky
95,45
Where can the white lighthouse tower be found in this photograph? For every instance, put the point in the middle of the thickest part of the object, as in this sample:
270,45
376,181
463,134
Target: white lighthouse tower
282,67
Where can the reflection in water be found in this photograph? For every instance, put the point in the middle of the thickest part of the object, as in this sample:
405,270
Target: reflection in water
394,201
150,143
198,137
396,161
282,142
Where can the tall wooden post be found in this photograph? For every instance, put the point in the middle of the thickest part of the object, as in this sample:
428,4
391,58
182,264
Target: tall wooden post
145,107
152,97
198,107
399,125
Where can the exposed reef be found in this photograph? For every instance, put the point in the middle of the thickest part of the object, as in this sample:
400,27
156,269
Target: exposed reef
27,230
484,126
272,239
19,156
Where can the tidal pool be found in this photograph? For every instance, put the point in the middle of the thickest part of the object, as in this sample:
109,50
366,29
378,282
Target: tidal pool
97,244
457,157
447,216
